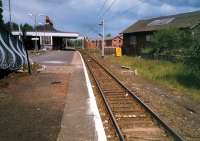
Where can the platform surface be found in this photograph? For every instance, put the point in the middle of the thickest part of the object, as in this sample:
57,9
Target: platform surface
80,121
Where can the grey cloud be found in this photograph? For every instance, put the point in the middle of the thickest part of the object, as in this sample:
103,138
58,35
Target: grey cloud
80,15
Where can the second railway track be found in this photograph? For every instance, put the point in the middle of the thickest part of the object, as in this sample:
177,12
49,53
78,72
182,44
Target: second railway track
131,119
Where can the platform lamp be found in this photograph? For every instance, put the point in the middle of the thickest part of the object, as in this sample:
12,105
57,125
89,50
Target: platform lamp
42,38
40,23
35,26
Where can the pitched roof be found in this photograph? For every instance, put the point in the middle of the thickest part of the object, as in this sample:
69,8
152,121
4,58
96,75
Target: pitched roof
46,28
50,28
184,20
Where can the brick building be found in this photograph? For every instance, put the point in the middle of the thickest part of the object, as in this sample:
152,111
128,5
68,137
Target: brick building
110,43
92,44
114,42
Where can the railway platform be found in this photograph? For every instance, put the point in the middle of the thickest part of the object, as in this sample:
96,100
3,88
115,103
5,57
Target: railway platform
81,120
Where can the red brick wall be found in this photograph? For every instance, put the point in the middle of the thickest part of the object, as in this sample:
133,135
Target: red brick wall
91,44
117,41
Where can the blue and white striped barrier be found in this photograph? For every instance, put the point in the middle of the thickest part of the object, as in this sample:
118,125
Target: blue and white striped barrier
12,52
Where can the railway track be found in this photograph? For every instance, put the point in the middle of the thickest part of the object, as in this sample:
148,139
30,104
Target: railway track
131,118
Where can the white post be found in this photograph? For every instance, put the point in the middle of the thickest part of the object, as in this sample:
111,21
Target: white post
41,40
102,55
52,41
83,43
36,45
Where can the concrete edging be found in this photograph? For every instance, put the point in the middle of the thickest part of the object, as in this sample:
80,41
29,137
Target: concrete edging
93,106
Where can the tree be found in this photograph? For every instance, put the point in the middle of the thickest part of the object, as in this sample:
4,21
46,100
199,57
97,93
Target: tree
108,35
1,13
14,26
171,41
193,56
26,27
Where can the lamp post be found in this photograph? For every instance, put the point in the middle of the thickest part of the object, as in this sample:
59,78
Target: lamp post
40,23
43,38
35,26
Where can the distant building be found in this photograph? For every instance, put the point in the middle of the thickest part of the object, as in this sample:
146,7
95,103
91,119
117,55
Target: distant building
139,35
114,42
111,43
47,37
92,43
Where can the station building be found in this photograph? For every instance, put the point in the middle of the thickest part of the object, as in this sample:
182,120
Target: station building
47,37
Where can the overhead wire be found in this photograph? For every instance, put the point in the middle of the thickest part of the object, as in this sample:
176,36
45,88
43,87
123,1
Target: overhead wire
102,7
101,15
92,29
124,11
108,9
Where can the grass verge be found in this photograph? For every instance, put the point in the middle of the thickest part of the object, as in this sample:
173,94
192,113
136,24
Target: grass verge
174,75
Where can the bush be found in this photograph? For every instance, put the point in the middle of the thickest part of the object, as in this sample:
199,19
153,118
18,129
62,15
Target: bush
171,41
148,50
179,43
193,59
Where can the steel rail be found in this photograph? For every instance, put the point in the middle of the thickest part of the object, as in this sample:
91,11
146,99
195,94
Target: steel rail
170,130
114,121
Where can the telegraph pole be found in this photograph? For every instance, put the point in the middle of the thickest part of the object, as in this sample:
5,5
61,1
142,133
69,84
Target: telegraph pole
103,32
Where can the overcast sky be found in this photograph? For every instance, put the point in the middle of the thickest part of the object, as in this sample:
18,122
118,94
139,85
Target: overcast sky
83,16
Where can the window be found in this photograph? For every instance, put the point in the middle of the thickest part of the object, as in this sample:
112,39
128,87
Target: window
46,40
161,21
133,40
148,38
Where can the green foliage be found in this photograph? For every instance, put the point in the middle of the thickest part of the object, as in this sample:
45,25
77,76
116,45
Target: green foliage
14,26
148,50
1,13
109,35
193,59
26,27
175,75
75,43
171,41
179,43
